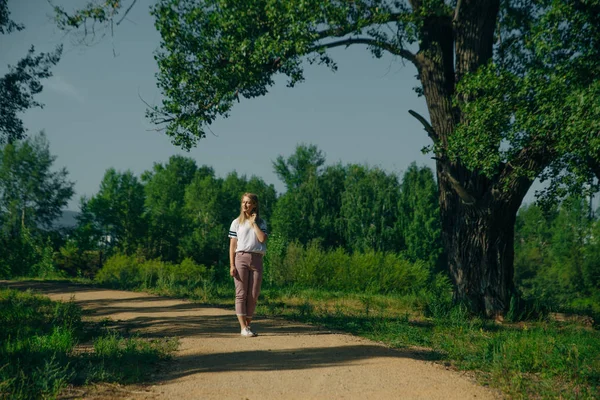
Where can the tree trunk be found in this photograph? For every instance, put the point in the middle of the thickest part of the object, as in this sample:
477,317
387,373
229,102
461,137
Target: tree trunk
479,242
478,213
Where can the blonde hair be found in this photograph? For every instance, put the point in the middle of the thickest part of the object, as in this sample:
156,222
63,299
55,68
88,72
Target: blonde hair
254,200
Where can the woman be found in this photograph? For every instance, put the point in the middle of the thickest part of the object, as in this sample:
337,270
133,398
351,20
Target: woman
247,246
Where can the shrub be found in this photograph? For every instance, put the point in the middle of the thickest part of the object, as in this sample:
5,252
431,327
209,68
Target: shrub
120,271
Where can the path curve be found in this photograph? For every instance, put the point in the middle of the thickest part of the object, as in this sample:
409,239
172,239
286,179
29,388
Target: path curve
286,361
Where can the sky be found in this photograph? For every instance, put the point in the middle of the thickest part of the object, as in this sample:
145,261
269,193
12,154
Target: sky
94,117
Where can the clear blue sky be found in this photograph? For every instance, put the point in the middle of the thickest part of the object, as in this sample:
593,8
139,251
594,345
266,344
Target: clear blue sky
94,118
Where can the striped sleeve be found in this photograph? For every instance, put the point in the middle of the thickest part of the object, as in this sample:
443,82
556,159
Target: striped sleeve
233,229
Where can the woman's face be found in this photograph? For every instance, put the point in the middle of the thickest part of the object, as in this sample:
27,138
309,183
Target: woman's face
247,205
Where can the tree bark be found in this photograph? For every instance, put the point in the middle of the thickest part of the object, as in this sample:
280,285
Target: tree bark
478,213
479,242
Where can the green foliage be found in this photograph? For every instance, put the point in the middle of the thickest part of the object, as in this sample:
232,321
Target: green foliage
312,210
359,208
539,93
419,217
369,213
129,272
75,261
6,24
31,194
438,298
214,52
121,271
31,197
300,166
557,256
116,211
165,189
22,83
26,255
371,271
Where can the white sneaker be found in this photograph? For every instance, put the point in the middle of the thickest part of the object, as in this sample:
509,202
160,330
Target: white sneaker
246,332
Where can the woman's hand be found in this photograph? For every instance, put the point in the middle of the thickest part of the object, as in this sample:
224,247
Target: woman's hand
232,271
252,218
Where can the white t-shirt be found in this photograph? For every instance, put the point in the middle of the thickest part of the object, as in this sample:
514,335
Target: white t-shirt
246,237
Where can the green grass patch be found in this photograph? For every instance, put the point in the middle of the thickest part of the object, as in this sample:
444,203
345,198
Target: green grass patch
45,346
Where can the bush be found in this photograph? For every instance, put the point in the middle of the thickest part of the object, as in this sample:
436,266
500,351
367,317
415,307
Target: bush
128,272
120,271
369,271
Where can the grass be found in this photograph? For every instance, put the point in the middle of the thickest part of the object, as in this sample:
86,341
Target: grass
534,359
45,346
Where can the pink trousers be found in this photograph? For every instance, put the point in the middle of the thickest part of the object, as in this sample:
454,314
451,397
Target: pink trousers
249,268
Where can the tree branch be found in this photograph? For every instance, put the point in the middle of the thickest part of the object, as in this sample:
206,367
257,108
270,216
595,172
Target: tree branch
426,125
463,193
370,42
339,32
127,12
456,11
465,196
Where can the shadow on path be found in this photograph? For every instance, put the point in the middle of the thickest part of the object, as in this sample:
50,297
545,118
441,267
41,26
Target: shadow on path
280,360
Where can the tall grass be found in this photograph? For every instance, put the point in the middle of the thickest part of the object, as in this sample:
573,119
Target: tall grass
38,343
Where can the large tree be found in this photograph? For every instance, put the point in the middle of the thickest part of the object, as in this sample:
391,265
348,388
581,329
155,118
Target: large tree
511,87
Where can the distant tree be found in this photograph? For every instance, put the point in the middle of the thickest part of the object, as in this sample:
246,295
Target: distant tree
300,166
419,216
310,208
31,193
165,187
533,244
558,254
118,210
369,209
23,81
206,239
31,198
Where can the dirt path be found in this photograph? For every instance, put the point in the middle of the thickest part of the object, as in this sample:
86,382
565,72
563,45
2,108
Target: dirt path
286,361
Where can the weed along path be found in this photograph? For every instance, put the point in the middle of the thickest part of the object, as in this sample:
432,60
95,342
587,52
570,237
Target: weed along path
286,361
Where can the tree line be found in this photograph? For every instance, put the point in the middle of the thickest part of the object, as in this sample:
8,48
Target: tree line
180,211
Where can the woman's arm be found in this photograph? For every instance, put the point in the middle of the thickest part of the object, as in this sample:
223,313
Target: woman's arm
260,235
232,247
